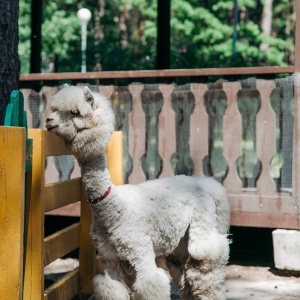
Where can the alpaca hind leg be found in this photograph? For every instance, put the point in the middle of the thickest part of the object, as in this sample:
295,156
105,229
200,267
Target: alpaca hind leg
112,284
177,272
107,288
205,270
152,282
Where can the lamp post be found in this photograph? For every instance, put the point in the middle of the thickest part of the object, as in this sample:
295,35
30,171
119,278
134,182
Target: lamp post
84,15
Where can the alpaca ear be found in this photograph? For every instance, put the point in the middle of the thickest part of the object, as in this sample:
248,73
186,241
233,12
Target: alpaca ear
65,85
89,97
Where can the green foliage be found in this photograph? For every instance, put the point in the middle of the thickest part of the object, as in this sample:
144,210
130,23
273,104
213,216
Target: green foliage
122,34
24,35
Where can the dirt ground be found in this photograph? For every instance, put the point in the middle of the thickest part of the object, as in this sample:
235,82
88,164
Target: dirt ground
256,282
251,271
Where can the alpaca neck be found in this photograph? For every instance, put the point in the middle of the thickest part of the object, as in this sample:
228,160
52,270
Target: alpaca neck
95,176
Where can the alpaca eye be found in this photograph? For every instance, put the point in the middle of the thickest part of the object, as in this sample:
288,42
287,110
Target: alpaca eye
74,112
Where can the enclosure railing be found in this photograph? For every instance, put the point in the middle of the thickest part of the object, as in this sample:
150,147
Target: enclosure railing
244,132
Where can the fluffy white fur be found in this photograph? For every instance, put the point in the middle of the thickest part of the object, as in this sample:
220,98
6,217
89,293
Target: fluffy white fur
180,221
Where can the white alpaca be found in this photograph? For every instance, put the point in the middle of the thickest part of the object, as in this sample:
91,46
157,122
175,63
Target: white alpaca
181,220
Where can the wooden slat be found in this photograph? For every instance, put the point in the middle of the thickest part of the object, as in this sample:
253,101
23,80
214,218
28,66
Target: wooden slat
61,243
55,146
265,137
166,130
264,220
66,288
278,211
252,203
199,128
62,193
157,73
137,134
232,136
34,264
12,182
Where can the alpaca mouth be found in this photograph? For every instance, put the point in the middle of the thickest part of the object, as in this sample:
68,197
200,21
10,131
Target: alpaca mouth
51,128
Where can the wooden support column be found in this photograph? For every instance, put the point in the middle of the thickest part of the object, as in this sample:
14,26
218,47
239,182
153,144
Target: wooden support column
297,37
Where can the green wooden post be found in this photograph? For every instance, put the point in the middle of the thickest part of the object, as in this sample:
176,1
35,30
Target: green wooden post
16,116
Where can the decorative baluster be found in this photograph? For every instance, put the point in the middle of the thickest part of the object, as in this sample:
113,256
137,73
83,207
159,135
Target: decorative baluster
199,128
265,137
232,137
152,101
47,93
26,94
167,132
137,134
51,171
64,164
287,127
214,163
183,103
122,103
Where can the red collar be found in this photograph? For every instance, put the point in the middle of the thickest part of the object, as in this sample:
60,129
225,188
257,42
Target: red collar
95,201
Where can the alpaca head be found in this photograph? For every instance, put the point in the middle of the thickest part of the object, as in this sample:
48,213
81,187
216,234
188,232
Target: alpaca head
83,119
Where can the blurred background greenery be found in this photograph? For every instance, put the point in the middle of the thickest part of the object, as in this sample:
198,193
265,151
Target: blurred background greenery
122,34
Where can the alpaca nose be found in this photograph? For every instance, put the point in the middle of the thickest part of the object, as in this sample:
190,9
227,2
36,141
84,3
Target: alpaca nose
49,119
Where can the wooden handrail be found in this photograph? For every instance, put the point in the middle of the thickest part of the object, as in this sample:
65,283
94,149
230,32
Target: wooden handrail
157,73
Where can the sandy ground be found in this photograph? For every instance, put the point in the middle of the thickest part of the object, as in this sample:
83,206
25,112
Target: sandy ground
251,271
254,283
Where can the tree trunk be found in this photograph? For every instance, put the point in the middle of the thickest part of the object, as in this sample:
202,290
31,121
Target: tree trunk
9,58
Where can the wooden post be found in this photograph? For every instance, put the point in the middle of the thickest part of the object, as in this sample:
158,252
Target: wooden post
297,38
34,264
12,178
115,158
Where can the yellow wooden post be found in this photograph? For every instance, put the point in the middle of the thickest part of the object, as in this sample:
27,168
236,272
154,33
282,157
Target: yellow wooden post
12,178
115,158
34,264
87,252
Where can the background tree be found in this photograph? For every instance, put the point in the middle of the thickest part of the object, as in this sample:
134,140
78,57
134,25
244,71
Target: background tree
9,59
122,34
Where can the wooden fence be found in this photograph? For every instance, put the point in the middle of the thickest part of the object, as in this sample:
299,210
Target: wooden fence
24,250
244,133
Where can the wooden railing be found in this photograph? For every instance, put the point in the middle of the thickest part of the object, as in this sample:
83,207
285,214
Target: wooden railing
244,133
